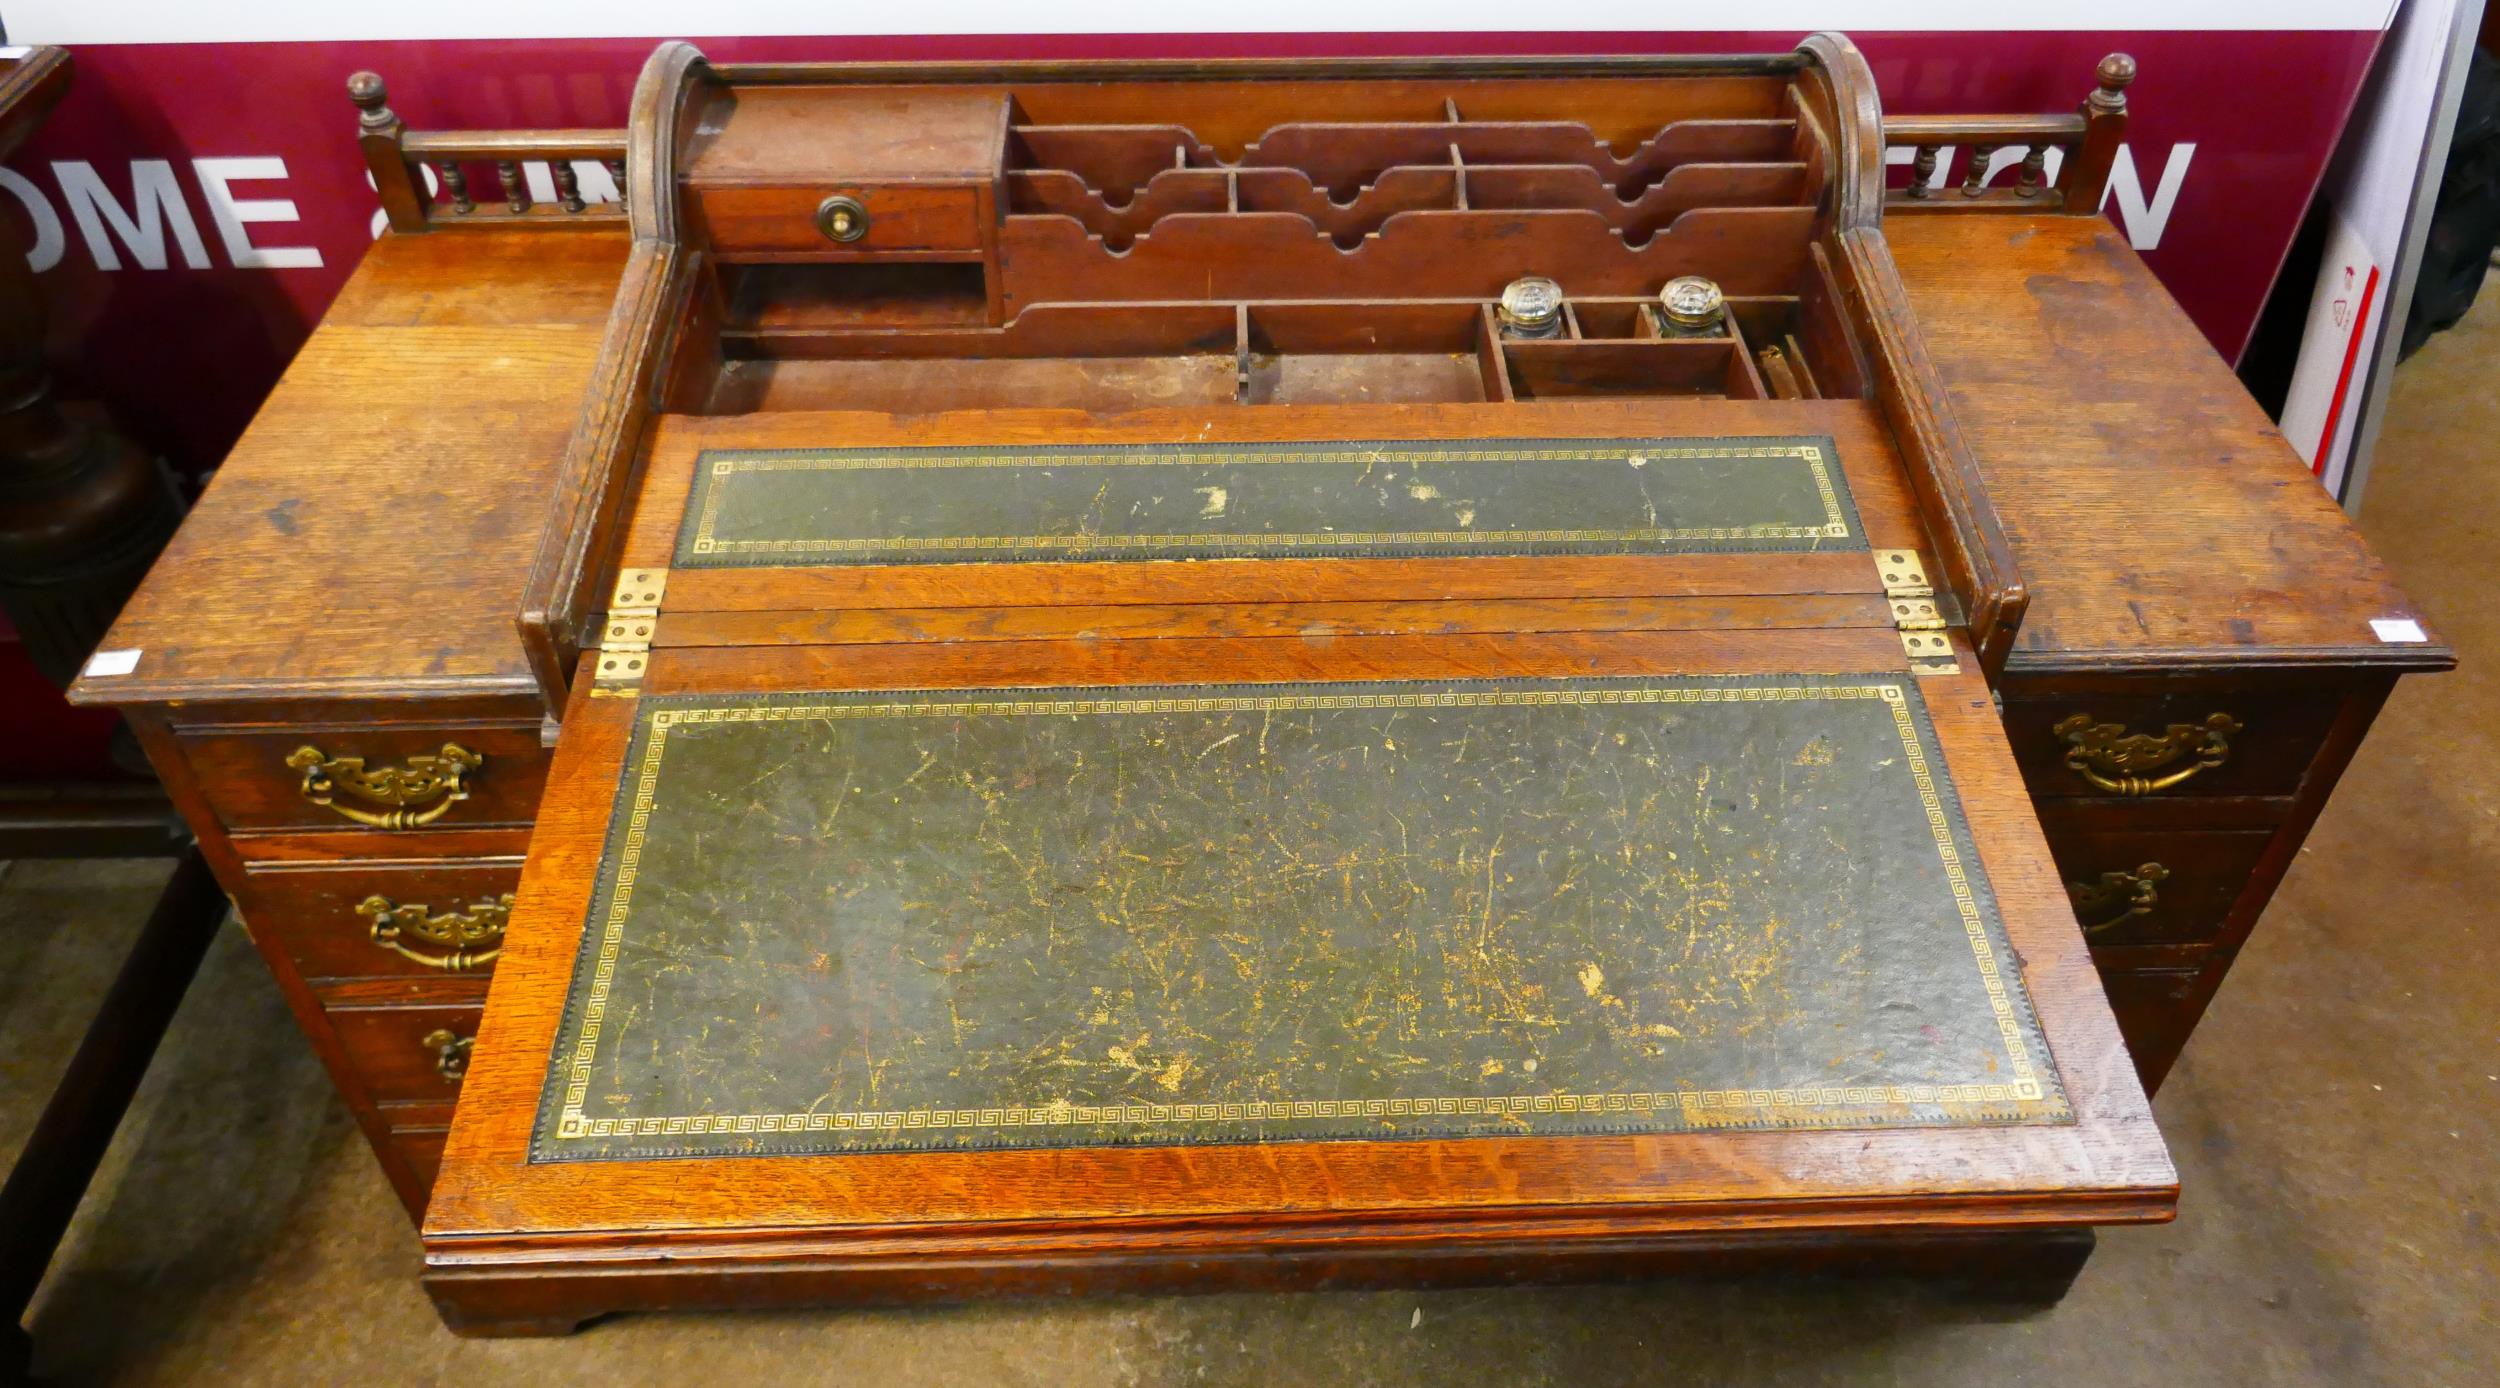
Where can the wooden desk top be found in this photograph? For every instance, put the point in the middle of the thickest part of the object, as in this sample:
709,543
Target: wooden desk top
370,543
368,536
2158,517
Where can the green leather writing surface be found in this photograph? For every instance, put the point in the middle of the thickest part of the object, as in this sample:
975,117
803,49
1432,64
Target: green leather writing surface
1180,501
851,921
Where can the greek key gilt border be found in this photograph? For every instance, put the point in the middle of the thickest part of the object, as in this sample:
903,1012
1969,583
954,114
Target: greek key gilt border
713,470
2025,1096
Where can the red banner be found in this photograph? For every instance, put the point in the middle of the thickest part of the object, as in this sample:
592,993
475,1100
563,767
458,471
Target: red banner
193,207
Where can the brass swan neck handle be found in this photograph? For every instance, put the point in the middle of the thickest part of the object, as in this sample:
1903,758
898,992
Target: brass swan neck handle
2121,763
2116,897
453,941
412,795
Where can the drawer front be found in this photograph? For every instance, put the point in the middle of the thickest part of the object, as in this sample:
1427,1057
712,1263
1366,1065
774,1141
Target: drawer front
2157,886
2167,746
417,1134
2156,1009
384,919
378,780
783,221
422,1149
407,1054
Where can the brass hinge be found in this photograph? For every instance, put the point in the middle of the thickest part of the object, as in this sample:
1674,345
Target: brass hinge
1902,574
625,646
1930,653
1915,614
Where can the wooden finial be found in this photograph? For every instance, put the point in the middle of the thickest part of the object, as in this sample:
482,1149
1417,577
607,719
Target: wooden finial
367,91
2084,178
379,132
2116,72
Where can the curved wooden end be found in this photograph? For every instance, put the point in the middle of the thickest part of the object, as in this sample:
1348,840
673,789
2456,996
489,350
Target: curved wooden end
653,137
1857,127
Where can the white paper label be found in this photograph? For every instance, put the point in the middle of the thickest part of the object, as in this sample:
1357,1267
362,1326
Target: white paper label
112,663
2403,629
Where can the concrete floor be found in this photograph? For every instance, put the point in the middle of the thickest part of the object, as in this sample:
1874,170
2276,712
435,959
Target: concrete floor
2333,1123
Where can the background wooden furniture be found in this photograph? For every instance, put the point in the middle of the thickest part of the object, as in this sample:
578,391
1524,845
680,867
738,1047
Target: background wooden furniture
82,512
2177,560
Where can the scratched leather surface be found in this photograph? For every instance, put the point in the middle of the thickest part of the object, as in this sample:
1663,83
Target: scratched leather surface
832,922
1178,501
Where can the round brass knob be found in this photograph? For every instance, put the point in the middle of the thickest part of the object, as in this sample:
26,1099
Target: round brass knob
842,218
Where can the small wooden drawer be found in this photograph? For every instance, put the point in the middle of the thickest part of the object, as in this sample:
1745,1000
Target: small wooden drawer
787,221
2175,745
422,1149
379,779
407,1054
418,1132
383,919
2134,886
2156,1009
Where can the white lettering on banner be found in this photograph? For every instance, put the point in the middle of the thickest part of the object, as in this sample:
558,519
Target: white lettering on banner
2145,221
591,177
233,214
49,242
156,203
2142,220
598,185
158,207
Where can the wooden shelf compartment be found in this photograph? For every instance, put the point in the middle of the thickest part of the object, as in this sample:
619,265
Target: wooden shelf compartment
1563,368
1343,158
1621,110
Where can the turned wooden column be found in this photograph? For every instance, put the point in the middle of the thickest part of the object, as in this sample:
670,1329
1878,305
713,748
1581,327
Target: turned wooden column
83,511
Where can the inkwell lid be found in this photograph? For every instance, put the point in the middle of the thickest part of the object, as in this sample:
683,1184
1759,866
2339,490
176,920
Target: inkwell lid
1692,304
1531,305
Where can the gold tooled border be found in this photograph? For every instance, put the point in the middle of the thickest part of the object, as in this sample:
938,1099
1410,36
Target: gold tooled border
1699,1108
1835,524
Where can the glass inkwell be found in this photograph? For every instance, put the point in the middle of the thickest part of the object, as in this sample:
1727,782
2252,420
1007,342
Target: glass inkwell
1530,308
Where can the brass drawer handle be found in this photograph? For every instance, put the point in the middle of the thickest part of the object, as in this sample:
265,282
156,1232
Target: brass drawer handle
2118,896
454,941
842,219
428,782
451,1053
2118,761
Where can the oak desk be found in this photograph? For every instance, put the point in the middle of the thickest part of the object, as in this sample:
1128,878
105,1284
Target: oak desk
333,684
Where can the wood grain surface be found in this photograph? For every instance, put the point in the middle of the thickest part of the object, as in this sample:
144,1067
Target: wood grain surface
368,535
2159,517
2108,1165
